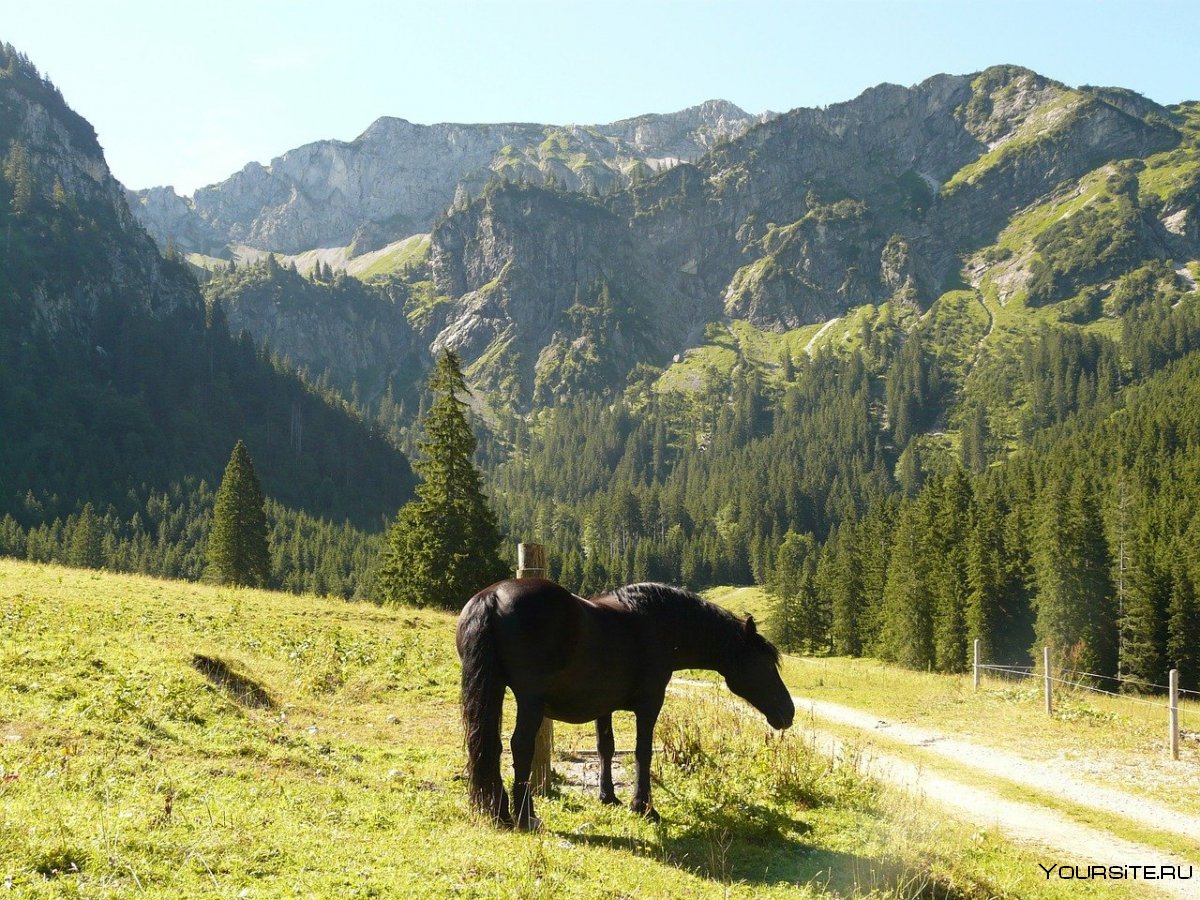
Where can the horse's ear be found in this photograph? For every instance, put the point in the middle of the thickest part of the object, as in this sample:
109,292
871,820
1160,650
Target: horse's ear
751,628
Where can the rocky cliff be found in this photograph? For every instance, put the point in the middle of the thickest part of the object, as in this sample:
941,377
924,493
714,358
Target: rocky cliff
397,177
74,254
892,196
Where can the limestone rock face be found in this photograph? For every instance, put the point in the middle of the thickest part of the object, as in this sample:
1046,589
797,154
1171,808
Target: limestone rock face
561,257
541,281
355,334
110,267
397,177
684,135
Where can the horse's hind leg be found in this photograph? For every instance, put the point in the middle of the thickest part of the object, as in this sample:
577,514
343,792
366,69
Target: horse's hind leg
529,720
606,747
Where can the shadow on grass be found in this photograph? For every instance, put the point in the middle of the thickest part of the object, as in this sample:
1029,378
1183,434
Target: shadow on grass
758,845
243,690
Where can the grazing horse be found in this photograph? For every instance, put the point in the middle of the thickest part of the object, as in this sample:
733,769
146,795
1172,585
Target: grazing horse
577,660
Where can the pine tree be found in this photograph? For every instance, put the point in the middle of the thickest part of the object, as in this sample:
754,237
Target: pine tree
985,579
444,545
1075,610
85,548
237,544
907,616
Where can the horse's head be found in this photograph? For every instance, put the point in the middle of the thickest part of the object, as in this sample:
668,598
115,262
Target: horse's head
753,674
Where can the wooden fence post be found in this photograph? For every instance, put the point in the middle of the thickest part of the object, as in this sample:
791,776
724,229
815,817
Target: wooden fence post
531,563
1173,713
976,665
1046,667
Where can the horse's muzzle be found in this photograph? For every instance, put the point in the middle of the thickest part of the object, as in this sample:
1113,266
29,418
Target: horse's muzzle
782,718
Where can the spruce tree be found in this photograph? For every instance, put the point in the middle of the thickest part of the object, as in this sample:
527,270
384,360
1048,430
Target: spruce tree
985,580
237,544
1143,616
907,615
799,620
85,548
444,545
1075,610
1183,623
841,580
949,570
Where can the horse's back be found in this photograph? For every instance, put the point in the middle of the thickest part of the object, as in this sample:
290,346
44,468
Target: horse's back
537,625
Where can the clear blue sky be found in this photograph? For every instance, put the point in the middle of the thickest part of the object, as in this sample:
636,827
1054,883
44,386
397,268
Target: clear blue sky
186,93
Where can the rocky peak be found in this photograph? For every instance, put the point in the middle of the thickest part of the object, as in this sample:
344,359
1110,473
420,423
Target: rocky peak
685,134
397,177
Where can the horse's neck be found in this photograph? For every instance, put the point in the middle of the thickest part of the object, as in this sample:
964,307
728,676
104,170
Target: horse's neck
701,644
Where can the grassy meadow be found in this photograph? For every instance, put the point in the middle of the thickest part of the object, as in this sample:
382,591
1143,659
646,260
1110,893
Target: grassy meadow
167,739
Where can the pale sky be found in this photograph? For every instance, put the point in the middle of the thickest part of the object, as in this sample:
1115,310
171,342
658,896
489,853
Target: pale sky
187,93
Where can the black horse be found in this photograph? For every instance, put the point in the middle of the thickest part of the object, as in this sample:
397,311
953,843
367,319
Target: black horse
577,660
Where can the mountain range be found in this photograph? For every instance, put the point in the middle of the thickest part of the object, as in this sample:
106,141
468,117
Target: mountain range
120,389
396,178
752,232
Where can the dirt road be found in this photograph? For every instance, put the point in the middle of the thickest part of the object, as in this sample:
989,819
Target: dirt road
1068,843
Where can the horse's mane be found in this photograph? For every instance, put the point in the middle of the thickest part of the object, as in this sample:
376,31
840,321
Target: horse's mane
688,610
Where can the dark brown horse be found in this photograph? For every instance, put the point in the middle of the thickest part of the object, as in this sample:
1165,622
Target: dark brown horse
577,660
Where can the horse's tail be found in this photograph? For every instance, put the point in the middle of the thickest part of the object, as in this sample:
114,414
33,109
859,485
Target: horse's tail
482,704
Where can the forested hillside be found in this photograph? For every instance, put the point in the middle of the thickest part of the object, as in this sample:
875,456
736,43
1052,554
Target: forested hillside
121,398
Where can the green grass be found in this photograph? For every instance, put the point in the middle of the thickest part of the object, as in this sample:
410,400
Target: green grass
1032,221
1166,173
1049,118
734,341
423,303
742,600
178,740
412,251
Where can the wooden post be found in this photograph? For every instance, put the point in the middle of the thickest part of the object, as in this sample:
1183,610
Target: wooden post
976,665
531,563
1046,667
1173,713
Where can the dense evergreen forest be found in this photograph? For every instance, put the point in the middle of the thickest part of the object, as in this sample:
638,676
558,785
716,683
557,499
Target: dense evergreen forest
121,397
831,485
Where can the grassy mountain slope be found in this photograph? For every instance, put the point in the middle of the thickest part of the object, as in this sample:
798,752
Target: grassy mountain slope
173,739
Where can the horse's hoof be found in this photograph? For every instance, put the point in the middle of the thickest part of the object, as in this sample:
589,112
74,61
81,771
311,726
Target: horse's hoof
531,824
610,800
646,811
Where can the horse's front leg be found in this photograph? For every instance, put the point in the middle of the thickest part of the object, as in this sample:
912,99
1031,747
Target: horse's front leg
524,736
606,746
647,717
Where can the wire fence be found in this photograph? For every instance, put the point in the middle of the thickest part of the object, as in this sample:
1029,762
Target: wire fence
1076,678
1182,717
